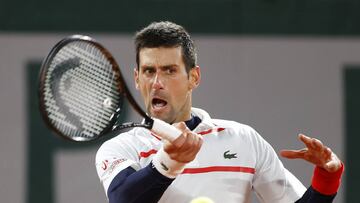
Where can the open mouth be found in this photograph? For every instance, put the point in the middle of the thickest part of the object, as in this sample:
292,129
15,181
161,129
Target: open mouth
158,103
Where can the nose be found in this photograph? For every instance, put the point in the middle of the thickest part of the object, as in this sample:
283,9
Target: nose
157,83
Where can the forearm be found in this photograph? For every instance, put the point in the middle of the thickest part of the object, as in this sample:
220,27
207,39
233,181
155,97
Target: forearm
145,185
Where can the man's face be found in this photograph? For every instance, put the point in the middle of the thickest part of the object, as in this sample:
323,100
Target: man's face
164,84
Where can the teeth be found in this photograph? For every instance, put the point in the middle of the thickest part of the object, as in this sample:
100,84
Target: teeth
158,103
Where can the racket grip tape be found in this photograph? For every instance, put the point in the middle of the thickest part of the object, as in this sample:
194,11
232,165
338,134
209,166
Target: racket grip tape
165,130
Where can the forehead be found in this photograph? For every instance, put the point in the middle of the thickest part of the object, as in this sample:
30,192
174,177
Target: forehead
161,56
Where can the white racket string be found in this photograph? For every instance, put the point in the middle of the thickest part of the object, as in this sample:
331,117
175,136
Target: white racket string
88,90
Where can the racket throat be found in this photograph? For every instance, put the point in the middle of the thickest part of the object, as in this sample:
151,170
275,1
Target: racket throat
148,122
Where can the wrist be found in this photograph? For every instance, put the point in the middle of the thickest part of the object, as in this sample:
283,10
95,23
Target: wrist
325,182
167,166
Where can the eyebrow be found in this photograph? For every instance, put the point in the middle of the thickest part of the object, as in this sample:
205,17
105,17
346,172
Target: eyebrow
169,66
161,67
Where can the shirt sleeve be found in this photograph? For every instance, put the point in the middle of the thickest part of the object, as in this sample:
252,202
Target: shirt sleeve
123,179
144,185
272,181
313,196
111,159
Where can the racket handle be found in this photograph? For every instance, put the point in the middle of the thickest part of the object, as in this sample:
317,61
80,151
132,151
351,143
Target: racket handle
165,130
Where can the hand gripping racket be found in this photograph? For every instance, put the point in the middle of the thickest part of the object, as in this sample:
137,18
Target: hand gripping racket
82,90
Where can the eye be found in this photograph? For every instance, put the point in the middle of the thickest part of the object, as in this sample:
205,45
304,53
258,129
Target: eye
170,70
148,70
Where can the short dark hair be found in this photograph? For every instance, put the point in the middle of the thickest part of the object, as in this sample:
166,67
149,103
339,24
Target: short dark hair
166,34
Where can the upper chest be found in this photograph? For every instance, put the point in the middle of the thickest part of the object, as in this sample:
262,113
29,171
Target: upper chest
221,148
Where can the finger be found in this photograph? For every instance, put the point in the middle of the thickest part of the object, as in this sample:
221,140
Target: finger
196,146
308,141
192,140
293,154
189,142
174,149
198,142
317,145
328,152
201,140
190,153
178,142
190,149
181,126
305,139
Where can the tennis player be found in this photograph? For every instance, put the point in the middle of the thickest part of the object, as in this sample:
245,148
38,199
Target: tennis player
222,160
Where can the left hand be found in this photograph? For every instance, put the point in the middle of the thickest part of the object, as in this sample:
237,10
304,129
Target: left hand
316,153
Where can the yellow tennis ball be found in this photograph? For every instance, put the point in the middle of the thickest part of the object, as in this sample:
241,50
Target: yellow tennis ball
202,200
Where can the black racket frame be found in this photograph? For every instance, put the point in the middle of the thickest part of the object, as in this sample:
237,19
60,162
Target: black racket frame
113,127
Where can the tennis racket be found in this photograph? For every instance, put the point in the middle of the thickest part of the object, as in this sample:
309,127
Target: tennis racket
82,91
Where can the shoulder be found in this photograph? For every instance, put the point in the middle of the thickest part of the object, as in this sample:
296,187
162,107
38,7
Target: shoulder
244,132
235,127
122,138
126,143
208,122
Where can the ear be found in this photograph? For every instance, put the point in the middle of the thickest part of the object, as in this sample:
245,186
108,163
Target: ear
136,78
194,77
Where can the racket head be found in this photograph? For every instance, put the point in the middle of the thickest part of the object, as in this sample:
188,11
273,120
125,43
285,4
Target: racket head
81,89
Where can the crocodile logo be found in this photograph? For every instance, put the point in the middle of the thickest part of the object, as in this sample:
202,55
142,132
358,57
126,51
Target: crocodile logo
227,155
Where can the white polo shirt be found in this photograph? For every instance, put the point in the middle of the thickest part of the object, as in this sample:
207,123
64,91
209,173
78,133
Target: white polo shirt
233,161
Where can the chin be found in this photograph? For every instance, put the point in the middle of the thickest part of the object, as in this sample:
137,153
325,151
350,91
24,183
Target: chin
163,115
163,118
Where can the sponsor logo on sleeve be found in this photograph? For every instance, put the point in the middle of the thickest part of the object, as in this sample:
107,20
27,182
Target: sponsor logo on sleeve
108,166
105,164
